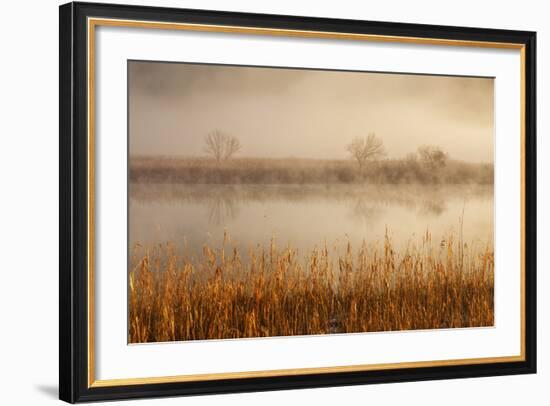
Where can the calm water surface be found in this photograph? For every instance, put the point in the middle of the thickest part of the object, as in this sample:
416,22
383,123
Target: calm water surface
306,216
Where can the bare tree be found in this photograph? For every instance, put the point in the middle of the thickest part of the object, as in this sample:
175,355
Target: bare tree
363,149
432,157
221,146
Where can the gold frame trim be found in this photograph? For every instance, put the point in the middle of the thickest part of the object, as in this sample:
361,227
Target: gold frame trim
94,22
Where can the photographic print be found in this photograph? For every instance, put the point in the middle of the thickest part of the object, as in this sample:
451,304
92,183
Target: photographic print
268,201
288,202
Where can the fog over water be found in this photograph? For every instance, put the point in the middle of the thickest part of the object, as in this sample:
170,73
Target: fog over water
304,113
191,200
192,216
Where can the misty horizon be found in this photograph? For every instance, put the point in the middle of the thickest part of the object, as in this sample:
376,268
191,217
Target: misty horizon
241,156
305,114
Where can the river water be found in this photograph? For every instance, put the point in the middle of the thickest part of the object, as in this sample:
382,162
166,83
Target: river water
306,216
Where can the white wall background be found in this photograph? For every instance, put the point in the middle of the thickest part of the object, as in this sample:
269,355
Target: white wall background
29,203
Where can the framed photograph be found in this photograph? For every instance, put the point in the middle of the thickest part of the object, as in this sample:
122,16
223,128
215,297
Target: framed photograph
257,202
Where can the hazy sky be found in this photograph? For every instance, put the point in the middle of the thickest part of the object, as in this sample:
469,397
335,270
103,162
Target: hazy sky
303,113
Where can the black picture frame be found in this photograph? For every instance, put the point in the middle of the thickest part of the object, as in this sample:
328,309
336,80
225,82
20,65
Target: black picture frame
73,197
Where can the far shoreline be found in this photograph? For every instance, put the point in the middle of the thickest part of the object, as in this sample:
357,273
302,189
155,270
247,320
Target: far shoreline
202,170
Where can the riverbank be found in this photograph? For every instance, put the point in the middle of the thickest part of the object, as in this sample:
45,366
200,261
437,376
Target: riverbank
304,171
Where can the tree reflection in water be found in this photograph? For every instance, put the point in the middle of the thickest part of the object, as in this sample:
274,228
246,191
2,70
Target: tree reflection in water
222,208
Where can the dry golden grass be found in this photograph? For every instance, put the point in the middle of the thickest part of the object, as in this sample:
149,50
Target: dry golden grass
276,292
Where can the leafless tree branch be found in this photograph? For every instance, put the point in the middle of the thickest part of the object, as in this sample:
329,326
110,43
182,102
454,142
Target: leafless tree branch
221,146
363,149
433,157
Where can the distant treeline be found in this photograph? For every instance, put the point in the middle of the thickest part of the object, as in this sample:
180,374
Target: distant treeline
305,171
